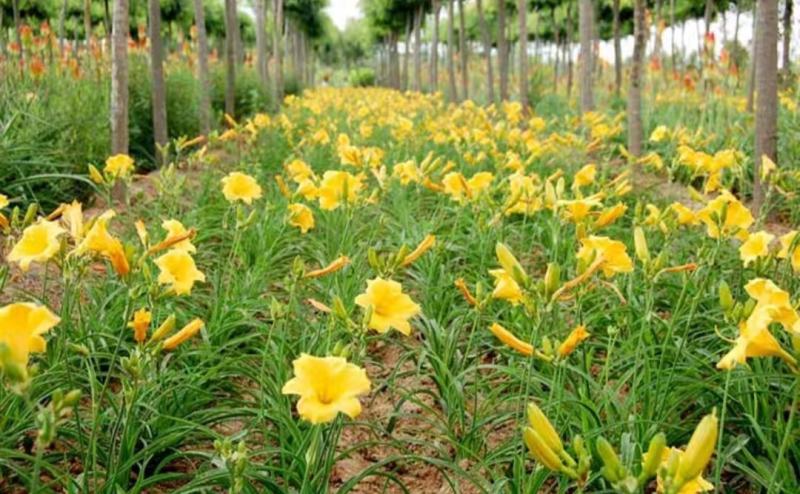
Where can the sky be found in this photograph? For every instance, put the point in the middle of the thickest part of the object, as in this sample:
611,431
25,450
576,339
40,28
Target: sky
343,10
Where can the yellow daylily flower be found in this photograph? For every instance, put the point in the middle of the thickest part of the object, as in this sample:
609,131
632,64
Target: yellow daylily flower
39,243
726,216
237,186
786,241
100,241
613,253
176,230
119,166
505,288
140,324
756,246
21,328
178,270
585,176
326,386
338,186
3,201
301,216
391,308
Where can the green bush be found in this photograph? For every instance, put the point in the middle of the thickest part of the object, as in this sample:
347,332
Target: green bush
50,130
250,95
292,85
362,77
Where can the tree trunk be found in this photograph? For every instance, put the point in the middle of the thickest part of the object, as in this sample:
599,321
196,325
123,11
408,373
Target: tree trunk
522,7
767,88
735,43
637,76
617,50
204,111
119,78
487,51
451,68
87,21
570,33
751,84
708,14
462,51
262,60
231,25
406,54
62,19
417,48
435,47
673,51
277,51
502,48
787,36
557,42
18,30
157,75
586,33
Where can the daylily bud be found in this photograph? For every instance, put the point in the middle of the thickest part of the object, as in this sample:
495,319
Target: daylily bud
540,424
166,328
30,214
640,243
725,298
510,263
540,451
700,448
652,458
612,468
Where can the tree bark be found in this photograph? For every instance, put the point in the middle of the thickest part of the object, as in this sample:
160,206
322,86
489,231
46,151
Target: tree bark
87,21
787,36
159,96
119,78
767,88
435,47
62,19
18,30
231,25
617,50
586,33
451,68
751,84
502,48
462,51
417,48
487,51
522,7
637,76
406,54
204,111
262,59
673,51
277,90
569,49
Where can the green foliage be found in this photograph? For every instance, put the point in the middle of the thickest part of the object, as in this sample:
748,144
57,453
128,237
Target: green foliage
251,96
362,77
50,130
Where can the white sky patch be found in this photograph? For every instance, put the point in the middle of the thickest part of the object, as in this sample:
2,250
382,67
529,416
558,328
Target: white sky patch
342,11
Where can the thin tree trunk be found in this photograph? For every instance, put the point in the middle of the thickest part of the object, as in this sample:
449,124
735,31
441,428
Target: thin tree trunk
157,75
708,14
767,87
119,78
673,50
522,7
569,49
18,30
487,51
62,19
277,90
787,36
617,50
406,54
417,48
231,24
735,43
462,51
204,111
751,85
502,48
557,40
587,34
637,76
262,60
435,47
87,21
451,68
